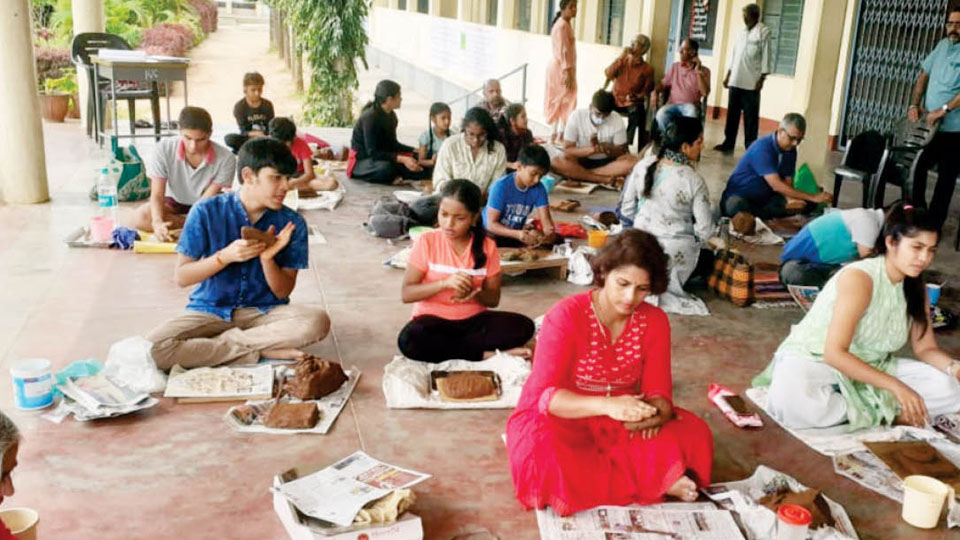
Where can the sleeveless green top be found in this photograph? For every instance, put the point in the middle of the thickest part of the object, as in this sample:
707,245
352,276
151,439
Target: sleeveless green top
883,329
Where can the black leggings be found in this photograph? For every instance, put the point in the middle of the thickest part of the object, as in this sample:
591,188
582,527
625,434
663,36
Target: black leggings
385,172
428,338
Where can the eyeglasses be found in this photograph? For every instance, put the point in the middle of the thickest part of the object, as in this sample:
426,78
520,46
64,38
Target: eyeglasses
797,139
953,23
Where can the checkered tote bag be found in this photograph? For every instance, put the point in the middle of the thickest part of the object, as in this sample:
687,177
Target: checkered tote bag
732,278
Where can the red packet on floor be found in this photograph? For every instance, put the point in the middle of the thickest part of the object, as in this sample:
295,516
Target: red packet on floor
733,406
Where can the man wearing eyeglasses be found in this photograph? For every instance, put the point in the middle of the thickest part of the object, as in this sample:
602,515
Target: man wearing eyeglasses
763,179
938,86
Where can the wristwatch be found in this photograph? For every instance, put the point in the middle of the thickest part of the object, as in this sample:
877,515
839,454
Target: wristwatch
946,107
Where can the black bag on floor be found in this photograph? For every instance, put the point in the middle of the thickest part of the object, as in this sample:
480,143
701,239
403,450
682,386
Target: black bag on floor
390,218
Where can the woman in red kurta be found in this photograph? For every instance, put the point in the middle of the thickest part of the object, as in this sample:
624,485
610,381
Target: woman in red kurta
595,424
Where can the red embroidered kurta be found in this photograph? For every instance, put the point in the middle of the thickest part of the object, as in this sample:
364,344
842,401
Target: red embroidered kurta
576,464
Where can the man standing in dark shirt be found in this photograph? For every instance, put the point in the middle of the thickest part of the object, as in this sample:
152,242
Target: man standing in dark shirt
253,112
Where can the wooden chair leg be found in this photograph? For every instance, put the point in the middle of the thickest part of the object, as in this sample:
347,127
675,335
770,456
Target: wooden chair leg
837,182
132,107
155,109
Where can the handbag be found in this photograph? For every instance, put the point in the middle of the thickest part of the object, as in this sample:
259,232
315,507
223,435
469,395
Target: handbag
133,184
732,278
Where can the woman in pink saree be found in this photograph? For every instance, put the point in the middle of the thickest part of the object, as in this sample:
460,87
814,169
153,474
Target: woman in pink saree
560,98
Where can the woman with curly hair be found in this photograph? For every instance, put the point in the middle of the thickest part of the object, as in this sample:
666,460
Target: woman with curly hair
596,424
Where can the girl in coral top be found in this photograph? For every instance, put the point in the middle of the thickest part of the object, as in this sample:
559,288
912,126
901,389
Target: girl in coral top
596,424
453,277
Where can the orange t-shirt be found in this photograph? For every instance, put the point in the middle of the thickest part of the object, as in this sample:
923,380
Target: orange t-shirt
433,254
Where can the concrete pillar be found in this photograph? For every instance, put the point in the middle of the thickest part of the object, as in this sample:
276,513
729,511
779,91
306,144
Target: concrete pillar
229,7
412,5
23,176
631,20
463,10
507,14
393,4
655,23
537,9
87,17
820,77
434,8
588,11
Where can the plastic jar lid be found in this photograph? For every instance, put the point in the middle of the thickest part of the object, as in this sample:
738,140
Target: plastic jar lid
794,514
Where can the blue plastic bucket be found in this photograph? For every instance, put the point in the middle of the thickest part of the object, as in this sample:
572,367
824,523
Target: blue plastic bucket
32,384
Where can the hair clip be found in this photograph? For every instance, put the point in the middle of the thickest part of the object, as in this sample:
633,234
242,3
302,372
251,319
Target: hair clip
908,207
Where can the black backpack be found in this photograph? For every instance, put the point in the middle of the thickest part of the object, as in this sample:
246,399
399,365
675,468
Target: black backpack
390,218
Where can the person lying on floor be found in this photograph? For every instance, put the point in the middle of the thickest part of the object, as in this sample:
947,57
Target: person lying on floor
595,144
453,276
828,242
837,364
517,195
596,424
667,197
284,130
240,310
183,171
763,179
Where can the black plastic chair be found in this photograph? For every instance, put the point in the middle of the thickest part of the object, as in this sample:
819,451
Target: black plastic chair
89,43
860,164
899,165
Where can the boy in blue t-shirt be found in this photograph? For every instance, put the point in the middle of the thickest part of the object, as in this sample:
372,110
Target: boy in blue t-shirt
514,197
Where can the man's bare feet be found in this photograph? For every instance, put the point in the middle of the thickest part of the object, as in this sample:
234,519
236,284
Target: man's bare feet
684,489
522,352
283,354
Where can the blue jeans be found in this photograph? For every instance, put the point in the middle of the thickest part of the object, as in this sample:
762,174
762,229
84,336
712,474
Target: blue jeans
798,272
669,112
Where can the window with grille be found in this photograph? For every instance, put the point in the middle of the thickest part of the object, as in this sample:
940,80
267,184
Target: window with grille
402,5
492,12
611,21
552,8
784,17
523,14
423,6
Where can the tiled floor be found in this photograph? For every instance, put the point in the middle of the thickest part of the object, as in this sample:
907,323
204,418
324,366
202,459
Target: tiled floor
178,471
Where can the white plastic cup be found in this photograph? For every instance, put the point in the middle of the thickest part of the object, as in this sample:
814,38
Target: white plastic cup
22,522
101,228
793,521
32,384
923,499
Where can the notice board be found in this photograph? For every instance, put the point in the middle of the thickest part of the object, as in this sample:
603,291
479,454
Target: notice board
700,21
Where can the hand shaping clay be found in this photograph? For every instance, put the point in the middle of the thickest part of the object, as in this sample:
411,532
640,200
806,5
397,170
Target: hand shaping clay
315,377
293,416
462,385
744,223
250,233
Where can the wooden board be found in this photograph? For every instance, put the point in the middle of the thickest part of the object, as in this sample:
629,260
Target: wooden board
556,264
906,458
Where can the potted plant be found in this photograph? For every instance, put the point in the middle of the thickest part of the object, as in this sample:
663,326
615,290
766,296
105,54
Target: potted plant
56,95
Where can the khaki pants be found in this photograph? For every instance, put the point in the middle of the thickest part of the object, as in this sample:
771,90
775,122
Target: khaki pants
195,339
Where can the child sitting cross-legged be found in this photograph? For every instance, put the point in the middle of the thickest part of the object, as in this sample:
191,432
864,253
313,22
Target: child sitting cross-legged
284,130
240,309
453,276
515,196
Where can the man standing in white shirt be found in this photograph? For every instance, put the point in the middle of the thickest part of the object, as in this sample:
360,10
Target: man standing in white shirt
752,62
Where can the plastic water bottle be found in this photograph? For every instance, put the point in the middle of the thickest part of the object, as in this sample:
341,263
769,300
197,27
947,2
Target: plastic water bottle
107,194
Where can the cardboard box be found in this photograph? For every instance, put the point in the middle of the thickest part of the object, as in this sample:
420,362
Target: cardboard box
407,527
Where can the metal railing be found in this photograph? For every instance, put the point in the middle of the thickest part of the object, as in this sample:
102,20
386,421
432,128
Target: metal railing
522,69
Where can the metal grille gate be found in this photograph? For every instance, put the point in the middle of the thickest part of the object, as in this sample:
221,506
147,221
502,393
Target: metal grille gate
892,38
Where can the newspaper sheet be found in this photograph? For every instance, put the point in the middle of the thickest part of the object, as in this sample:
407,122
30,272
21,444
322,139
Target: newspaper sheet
803,295
687,521
225,383
871,472
97,396
338,492
329,405
759,522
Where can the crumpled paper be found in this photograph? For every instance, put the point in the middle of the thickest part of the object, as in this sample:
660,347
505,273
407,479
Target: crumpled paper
386,509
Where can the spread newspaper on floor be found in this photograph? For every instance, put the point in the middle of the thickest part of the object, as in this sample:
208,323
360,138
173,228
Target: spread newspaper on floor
686,521
337,493
98,396
249,417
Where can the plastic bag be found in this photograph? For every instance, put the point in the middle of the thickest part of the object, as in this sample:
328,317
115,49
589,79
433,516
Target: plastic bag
79,368
129,362
579,271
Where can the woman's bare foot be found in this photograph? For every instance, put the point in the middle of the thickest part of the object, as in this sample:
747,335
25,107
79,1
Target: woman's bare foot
522,352
283,354
684,489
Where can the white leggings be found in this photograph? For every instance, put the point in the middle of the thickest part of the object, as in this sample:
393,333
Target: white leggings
804,391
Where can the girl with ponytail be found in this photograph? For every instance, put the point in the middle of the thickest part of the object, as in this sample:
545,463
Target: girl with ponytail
453,276
667,197
837,364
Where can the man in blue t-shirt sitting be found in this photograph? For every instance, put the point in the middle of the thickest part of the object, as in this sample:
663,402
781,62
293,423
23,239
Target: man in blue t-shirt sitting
240,309
514,197
763,179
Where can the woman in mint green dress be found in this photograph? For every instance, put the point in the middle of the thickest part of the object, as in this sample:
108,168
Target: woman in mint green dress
837,364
